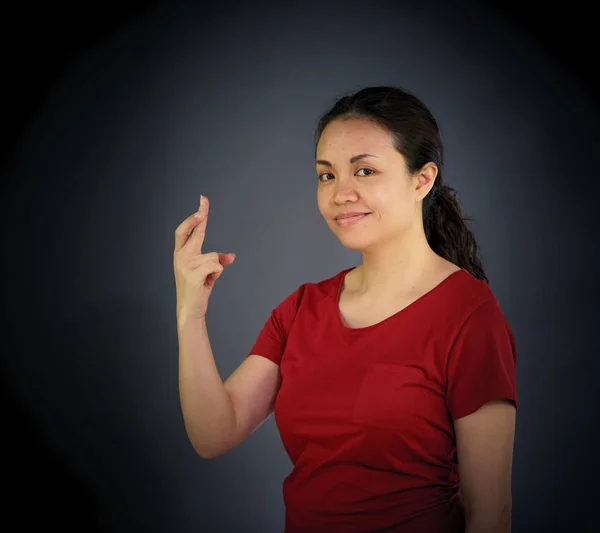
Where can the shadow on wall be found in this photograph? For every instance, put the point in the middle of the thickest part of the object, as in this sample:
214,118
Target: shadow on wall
42,490
102,382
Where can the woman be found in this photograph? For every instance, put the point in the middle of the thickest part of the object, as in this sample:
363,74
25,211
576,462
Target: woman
393,383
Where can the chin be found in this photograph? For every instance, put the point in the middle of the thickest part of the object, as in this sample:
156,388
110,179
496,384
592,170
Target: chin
355,242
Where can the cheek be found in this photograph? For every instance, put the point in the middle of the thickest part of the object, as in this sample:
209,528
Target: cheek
321,202
384,203
392,207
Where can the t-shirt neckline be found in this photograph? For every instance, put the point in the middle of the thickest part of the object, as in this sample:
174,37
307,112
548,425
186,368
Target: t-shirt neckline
412,305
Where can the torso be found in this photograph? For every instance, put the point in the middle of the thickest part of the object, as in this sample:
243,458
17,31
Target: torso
361,311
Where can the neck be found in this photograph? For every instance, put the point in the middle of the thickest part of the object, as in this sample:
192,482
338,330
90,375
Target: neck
397,265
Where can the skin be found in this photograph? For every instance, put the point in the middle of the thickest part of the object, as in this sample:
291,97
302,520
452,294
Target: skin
397,262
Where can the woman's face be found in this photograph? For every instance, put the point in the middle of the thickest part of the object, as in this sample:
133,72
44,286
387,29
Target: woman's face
378,183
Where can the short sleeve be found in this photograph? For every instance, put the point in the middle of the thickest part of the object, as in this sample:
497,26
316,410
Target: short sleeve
272,338
482,362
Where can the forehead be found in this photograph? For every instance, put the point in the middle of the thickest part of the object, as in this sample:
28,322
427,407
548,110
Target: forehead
342,137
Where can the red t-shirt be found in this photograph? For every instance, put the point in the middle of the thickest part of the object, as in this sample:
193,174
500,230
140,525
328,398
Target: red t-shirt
366,414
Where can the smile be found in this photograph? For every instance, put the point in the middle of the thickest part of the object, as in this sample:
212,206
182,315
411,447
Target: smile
350,221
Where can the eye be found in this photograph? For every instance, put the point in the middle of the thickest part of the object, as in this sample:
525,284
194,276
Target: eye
368,170
320,178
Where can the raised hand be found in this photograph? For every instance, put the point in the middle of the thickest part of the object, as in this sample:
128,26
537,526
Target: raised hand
196,272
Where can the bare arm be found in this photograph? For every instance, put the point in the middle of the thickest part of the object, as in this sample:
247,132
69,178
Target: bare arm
219,416
253,388
484,441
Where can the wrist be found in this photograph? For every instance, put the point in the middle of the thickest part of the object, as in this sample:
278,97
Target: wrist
185,317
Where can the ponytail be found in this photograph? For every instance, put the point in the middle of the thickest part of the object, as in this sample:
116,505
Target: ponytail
447,231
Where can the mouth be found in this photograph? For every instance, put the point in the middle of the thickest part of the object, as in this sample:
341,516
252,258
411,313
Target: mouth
350,221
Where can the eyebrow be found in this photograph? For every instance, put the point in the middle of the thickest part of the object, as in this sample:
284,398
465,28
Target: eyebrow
352,159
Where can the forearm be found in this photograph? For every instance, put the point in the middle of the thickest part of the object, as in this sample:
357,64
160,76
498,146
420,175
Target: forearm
489,521
207,408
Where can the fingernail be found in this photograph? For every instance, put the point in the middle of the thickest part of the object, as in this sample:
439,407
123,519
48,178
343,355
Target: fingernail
200,203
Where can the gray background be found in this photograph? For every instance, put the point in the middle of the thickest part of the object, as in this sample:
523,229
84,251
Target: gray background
224,101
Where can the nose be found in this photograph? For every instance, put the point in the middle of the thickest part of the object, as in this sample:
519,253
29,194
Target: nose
344,192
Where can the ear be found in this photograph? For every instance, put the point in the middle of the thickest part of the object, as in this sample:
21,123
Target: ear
424,179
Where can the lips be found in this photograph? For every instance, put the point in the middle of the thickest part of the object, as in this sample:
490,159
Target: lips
350,215
350,220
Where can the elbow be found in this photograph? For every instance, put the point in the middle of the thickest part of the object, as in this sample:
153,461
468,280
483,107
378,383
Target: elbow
210,454
495,519
210,445
204,452
209,451
201,448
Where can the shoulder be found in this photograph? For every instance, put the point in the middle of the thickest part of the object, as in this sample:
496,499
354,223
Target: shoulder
469,301
468,293
479,315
